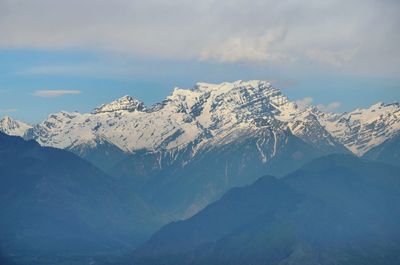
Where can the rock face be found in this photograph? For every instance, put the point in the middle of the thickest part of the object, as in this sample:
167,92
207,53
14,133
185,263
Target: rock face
335,210
233,131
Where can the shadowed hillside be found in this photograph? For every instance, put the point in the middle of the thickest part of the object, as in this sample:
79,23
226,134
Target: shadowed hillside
335,210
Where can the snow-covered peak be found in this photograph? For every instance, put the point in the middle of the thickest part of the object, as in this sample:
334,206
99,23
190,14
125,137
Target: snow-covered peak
187,116
126,103
373,113
202,88
363,128
227,86
236,102
7,119
208,114
13,127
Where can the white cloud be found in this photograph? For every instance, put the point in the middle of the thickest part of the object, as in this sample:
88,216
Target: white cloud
56,70
307,101
8,110
98,69
330,107
304,102
55,93
335,58
248,49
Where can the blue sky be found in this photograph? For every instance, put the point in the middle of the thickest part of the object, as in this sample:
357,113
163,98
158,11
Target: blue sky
339,54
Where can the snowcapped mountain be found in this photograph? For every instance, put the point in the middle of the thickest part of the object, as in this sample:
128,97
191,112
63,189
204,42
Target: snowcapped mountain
189,149
210,115
363,129
12,127
207,114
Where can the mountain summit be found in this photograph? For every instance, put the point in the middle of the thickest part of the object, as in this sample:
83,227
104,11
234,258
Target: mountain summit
12,127
125,103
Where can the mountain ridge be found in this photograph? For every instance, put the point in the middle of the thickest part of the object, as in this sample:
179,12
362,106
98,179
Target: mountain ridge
185,152
210,111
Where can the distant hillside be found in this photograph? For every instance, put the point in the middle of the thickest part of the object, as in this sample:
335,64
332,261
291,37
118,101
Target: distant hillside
53,201
335,210
388,151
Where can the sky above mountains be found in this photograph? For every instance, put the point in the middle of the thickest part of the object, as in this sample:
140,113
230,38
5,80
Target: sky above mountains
75,55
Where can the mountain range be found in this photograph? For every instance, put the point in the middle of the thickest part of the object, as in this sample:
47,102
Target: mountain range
186,151
105,181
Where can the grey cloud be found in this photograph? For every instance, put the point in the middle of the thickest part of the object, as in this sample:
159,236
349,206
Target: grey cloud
359,35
